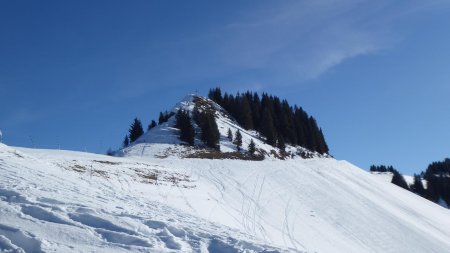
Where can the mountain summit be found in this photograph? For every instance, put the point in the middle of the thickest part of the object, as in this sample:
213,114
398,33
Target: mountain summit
164,139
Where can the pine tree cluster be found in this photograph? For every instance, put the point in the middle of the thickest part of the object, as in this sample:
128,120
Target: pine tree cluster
275,119
417,186
438,181
183,122
381,168
164,117
210,134
238,140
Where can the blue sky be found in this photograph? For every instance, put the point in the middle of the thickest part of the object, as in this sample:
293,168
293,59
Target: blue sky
73,74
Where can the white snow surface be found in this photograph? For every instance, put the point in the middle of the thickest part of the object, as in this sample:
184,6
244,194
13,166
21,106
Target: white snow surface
65,201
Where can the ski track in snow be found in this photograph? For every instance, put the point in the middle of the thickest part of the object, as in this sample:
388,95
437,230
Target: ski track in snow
64,211
62,201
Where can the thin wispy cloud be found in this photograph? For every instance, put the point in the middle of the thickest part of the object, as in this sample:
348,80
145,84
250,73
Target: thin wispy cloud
270,43
297,41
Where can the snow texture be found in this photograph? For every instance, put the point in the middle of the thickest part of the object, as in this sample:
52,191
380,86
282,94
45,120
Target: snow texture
65,201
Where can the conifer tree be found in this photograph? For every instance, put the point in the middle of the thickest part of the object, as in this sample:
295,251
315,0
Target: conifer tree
161,118
280,144
151,125
238,140
251,147
230,135
126,141
432,191
136,130
417,186
245,114
183,122
210,134
268,129
398,180
215,95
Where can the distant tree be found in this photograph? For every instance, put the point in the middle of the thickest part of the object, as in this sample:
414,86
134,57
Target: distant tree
280,143
135,130
215,95
110,152
373,168
268,129
183,122
433,188
164,117
210,134
399,180
161,118
151,125
438,181
230,135
382,168
251,147
238,140
126,141
245,114
417,186
322,145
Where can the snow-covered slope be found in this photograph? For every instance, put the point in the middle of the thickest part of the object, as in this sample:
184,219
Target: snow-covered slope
61,201
387,177
159,141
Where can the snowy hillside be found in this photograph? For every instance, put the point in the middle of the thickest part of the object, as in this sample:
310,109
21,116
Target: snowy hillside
387,176
158,141
62,201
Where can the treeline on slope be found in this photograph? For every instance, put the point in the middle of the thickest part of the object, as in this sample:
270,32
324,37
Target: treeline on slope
397,178
275,119
437,176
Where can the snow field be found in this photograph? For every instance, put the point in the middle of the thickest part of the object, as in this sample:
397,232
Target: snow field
79,202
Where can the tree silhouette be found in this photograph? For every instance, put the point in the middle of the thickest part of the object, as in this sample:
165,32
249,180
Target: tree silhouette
126,141
183,122
230,135
135,130
417,186
151,125
210,134
238,140
399,180
251,147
